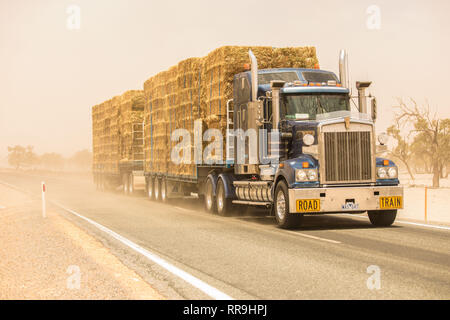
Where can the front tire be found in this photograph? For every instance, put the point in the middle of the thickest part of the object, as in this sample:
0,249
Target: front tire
382,218
285,219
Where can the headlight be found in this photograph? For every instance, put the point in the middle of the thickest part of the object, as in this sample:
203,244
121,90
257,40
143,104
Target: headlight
302,175
387,173
383,138
392,172
308,139
381,172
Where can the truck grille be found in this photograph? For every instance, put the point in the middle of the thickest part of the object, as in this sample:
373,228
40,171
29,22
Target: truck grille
348,156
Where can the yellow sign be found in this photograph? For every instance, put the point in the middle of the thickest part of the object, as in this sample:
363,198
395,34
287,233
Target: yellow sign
395,202
308,205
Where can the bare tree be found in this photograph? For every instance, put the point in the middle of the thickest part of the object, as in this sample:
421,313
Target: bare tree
403,150
430,128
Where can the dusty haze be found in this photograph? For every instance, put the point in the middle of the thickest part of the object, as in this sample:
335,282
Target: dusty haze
51,76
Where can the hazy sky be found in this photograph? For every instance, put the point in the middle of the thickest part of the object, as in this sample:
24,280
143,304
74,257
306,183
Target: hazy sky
50,76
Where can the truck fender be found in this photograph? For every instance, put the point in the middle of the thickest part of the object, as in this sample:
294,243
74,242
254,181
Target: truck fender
278,177
230,191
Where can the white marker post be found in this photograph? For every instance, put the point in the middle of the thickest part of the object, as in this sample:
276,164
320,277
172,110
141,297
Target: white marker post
44,214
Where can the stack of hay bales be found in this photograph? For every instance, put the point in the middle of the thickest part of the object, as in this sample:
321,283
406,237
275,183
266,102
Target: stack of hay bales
112,124
199,88
131,118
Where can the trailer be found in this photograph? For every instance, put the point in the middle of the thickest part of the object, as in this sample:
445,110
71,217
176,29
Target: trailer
266,127
118,143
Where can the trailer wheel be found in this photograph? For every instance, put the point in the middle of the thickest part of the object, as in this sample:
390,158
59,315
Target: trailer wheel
210,203
157,185
382,218
150,188
130,184
285,219
163,188
125,184
224,205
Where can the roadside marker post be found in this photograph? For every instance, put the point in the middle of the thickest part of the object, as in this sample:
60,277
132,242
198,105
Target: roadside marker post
426,196
44,213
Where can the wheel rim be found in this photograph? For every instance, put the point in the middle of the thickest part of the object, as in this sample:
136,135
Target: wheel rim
208,195
281,205
220,198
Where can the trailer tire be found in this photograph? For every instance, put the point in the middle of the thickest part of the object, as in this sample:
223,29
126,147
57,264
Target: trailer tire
210,203
223,204
157,185
131,184
125,184
382,218
285,219
150,188
163,189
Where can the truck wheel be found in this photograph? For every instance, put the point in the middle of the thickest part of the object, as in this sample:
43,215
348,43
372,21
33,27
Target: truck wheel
210,203
224,205
150,188
131,184
125,184
157,189
163,189
285,219
382,218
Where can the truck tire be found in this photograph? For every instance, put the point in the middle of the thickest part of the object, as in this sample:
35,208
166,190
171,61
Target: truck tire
224,205
131,184
125,184
382,218
150,188
210,203
163,190
285,219
157,185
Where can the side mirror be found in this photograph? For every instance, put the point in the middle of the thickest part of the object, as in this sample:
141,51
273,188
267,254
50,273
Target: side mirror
374,109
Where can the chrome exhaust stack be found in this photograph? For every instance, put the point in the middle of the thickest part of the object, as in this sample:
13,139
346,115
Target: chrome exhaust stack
343,68
254,72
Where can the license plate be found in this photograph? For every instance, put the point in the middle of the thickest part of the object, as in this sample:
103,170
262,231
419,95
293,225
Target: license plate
308,205
391,202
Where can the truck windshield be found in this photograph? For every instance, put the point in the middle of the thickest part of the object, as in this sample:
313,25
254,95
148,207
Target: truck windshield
307,106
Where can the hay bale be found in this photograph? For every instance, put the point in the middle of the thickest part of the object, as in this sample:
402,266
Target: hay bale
198,88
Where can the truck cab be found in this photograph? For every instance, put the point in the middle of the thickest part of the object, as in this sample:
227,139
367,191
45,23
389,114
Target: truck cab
321,146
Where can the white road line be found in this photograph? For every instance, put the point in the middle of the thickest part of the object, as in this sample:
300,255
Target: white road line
197,283
407,222
312,237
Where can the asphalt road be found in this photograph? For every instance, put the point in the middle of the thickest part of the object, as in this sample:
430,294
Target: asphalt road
247,257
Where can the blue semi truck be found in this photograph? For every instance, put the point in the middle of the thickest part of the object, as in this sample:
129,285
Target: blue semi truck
318,147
